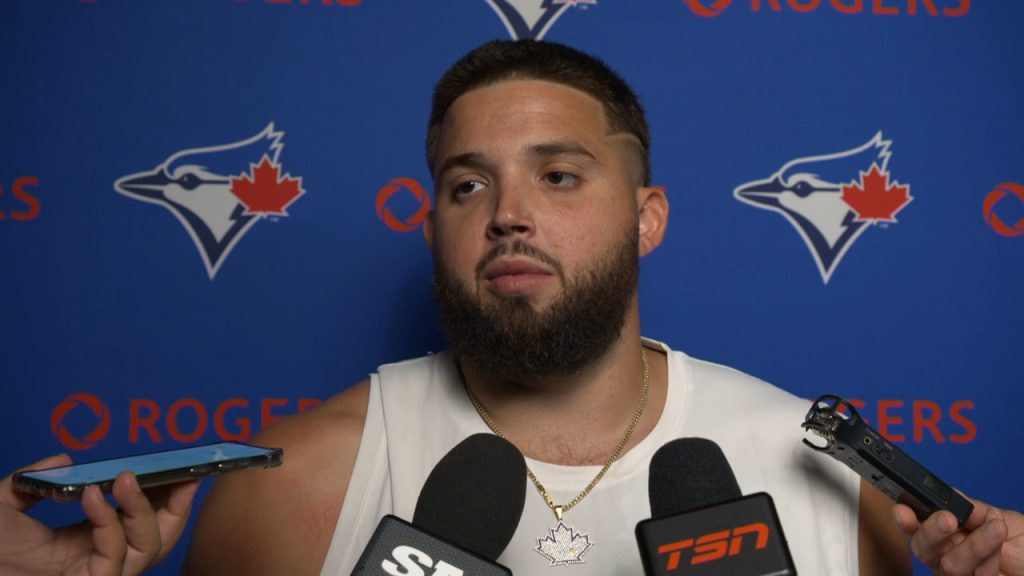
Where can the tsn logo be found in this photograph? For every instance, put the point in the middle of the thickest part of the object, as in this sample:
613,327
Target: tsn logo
411,562
716,545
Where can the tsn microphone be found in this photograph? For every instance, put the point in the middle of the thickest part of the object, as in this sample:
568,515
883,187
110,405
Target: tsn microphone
466,514
700,523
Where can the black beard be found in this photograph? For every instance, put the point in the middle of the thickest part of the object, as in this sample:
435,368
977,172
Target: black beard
510,341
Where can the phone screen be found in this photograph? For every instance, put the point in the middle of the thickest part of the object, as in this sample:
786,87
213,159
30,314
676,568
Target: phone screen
190,462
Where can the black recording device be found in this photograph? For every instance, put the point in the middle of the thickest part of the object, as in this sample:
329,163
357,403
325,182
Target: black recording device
466,514
851,441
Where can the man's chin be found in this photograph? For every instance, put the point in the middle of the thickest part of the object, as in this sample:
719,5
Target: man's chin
547,329
512,308
514,301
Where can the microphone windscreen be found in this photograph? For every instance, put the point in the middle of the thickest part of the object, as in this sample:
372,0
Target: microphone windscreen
474,497
689,473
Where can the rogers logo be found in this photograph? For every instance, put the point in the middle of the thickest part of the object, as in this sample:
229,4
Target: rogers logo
996,197
393,187
69,440
182,420
949,8
920,420
707,11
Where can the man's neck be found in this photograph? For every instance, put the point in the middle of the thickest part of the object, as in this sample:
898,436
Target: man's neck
580,418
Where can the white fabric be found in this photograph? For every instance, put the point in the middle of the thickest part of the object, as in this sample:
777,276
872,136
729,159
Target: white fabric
418,411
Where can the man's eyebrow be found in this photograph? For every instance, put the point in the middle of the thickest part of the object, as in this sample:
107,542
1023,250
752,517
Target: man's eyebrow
471,159
560,147
543,150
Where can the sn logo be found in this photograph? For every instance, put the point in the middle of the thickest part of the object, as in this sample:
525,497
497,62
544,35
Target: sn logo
410,562
716,545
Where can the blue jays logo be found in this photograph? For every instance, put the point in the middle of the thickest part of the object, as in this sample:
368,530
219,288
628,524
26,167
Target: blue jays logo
832,199
531,19
219,192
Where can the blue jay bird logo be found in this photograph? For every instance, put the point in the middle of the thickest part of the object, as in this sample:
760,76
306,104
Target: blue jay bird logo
832,199
531,19
219,192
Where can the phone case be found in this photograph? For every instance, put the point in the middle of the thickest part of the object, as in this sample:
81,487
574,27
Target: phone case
29,480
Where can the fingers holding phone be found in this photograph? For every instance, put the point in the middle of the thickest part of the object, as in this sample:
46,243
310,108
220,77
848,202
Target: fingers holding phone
141,531
98,545
18,499
152,521
109,542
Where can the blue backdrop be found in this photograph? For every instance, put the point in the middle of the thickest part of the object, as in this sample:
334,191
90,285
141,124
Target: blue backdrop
210,209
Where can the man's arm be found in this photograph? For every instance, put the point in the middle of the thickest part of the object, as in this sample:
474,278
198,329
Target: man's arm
280,521
882,548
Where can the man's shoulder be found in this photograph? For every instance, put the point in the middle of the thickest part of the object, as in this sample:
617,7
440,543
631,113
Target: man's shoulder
325,428
320,445
417,365
713,382
414,381
725,375
298,502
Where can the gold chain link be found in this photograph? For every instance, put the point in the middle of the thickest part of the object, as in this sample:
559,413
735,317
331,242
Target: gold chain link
561,509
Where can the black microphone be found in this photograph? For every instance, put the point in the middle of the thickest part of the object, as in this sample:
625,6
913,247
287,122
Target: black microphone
465,516
701,524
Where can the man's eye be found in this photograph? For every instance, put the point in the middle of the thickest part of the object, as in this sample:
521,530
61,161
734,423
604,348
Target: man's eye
467,187
562,179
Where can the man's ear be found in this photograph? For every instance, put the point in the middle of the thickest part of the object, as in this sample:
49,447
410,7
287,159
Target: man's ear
428,230
652,205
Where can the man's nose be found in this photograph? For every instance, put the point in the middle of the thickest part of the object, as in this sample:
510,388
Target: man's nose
513,214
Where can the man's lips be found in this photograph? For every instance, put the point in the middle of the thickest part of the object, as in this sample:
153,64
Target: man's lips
515,276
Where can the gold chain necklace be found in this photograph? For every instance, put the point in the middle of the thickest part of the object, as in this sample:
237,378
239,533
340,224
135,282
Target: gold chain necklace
565,545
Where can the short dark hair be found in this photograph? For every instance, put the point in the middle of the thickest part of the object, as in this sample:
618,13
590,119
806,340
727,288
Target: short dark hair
500,60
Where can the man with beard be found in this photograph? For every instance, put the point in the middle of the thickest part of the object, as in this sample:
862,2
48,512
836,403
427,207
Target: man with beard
539,156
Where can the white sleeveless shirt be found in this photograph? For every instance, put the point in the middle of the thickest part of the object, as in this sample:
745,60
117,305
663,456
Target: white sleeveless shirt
418,411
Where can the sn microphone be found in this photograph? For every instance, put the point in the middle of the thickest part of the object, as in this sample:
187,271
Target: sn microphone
701,525
465,516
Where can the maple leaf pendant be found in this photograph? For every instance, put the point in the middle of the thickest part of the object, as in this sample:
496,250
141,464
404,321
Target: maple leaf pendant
563,545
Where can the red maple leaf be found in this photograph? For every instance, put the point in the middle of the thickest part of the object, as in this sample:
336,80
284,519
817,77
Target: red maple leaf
873,198
264,191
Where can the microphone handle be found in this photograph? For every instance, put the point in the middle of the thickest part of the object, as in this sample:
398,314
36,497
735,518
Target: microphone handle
398,548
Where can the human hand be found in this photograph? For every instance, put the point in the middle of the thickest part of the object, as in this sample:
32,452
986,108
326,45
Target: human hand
108,543
991,542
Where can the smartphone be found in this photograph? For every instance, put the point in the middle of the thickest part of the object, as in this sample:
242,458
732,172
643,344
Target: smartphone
152,469
851,441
